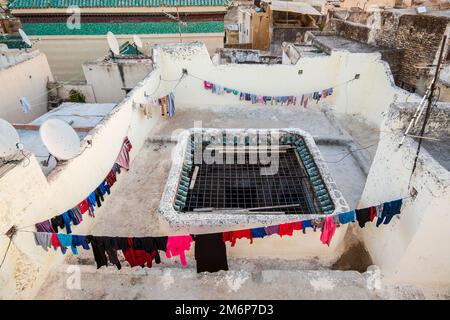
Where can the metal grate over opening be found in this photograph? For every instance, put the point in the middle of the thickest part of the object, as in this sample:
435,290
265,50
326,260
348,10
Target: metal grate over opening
242,186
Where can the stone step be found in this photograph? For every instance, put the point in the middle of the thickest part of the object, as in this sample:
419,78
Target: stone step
161,282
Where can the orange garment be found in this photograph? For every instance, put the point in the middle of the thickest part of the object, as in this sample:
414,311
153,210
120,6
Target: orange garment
176,245
238,234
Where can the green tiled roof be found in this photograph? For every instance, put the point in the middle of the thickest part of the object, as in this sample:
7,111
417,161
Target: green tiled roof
42,4
56,29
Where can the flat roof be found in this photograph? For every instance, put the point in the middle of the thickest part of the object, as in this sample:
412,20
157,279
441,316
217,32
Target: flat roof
83,115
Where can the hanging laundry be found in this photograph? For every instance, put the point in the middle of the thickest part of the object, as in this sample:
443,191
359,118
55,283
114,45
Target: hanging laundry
151,245
101,246
56,244
137,257
25,104
103,188
176,245
111,178
84,206
232,236
164,102
44,226
306,224
207,85
171,104
92,200
287,229
78,240
390,209
123,159
43,239
210,252
272,230
67,219
258,232
66,241
328,230
373,213
347,217
57,222
363,216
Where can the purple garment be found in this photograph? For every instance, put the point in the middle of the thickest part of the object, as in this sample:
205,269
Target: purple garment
44,226
271,230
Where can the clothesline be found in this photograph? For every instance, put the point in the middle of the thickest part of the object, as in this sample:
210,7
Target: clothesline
210,253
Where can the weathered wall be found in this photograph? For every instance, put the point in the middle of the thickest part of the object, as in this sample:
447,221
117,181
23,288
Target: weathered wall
369,96
418,37
413,247
63,91
25,79
28,197
66,64
118,75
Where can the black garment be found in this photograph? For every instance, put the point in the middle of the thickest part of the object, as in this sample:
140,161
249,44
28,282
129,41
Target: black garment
111,247
98,198
151,244
98,247
363,216
56,222
210,252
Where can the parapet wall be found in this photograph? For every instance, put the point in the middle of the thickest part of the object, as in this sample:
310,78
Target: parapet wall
28,197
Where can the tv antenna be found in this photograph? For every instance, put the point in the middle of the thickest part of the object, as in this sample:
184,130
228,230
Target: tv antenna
137,42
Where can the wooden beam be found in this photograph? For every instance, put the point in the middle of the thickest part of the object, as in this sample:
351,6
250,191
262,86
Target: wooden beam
27,126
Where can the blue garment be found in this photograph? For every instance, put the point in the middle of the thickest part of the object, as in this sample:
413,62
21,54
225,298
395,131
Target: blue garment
103,188
172,104
390,209
116,168
66,241
347,217
67,220
253,98
79,241
306,224
91,199
258,232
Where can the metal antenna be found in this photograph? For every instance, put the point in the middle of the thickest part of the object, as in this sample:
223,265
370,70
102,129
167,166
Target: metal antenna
430,97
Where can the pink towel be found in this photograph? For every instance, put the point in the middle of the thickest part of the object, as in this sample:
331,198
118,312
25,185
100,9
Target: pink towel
123,159
328,230
176,245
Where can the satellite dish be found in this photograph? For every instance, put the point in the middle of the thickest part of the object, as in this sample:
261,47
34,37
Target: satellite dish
112,42
137,41
9,139
24,37
60,139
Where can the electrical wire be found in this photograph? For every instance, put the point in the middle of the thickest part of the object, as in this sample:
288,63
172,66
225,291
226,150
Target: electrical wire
6,253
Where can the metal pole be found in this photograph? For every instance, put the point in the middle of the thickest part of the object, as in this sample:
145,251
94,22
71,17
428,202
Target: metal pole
429,105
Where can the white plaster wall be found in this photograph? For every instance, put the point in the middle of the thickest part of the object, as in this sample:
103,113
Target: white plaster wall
29,79
414,246
369,96
116,76
66,63
28,197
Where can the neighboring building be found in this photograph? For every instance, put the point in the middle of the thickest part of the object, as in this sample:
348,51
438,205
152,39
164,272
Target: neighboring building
416,37
23,74
154,20
275,22
8,23
122,73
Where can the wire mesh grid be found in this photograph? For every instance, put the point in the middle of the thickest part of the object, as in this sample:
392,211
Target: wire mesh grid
240,184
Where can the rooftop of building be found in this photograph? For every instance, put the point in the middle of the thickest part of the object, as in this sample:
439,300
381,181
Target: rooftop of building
45,4
83,117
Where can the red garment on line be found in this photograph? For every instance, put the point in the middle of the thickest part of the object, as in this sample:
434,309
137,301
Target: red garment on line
328,230
111,178
83,206
56,244
287,229
373,213
138,257
238,234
